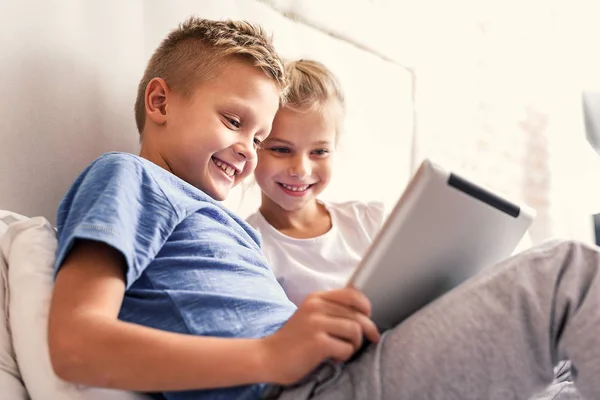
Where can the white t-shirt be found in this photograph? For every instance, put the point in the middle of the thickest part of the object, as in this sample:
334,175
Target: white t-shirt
303,266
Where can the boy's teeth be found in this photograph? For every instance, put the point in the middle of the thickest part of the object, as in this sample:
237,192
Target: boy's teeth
228,170
295,188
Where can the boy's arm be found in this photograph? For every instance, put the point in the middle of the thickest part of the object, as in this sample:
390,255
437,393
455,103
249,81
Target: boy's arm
90,346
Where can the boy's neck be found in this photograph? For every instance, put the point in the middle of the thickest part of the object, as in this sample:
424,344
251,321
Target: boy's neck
148,151
311,221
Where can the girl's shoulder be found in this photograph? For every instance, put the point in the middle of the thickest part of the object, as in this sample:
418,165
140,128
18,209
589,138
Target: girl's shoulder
368,216
259,223
254,219
355,208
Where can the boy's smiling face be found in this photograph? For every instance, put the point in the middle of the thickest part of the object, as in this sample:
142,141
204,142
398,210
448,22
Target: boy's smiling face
210,138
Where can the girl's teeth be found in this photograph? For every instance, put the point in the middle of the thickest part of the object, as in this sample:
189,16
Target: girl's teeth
295,188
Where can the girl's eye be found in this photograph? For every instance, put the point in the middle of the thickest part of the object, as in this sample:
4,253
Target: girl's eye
257,142
321,152
280,150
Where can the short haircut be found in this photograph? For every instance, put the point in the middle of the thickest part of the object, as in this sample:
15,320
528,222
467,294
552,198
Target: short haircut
197,50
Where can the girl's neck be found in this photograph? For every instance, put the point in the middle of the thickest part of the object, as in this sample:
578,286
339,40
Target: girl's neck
309,222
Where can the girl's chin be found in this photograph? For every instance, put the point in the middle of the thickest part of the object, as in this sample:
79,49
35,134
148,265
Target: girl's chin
297,205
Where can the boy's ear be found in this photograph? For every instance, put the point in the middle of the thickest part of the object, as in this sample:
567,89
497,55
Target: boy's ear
156,100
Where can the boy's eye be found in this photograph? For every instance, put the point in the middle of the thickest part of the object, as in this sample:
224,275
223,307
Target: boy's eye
257,142
280,150
233,122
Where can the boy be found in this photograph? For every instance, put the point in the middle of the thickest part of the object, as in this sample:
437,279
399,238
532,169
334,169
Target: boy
141,238
161,289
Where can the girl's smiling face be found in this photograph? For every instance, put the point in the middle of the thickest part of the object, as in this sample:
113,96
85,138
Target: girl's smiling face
295,162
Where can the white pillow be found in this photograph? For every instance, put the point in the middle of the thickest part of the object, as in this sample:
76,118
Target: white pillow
11,385
30,246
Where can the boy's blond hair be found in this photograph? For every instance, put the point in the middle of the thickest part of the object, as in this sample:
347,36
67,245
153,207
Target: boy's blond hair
312,86
197,50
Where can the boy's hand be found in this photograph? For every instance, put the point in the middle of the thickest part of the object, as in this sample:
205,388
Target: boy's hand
327,325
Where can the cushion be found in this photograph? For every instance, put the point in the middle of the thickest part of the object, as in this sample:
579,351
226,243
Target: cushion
29,248
11,385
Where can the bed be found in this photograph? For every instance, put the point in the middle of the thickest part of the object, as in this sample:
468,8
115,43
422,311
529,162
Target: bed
69,74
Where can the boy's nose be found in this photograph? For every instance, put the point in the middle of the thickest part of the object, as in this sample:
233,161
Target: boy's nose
244,152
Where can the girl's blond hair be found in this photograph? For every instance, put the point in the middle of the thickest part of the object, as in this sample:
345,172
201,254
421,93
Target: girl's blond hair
312,86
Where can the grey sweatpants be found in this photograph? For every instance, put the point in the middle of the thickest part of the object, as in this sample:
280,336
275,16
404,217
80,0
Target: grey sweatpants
497,336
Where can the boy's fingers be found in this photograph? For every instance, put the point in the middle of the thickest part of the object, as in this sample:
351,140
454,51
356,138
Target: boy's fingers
338,310
338,314
340,350
349,297
337,305
345,329
369,329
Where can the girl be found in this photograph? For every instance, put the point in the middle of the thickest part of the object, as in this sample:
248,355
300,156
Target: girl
312,245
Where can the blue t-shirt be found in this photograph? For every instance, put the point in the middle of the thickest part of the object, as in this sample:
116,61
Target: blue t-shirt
193,266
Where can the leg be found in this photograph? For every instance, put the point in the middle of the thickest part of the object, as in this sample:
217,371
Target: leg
559,391
498,336
562,388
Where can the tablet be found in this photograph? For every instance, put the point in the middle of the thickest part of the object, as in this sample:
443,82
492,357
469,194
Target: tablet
443,230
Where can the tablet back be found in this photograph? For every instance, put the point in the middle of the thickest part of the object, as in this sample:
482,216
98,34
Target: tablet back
443,230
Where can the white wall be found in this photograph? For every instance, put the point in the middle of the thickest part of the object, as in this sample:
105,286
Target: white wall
68,76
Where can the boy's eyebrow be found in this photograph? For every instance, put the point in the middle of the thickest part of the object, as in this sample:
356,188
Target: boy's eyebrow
239,106
246,112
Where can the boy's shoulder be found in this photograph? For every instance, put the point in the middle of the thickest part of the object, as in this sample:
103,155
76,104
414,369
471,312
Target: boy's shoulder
127,183
134,206
126,163
117,166
132,169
